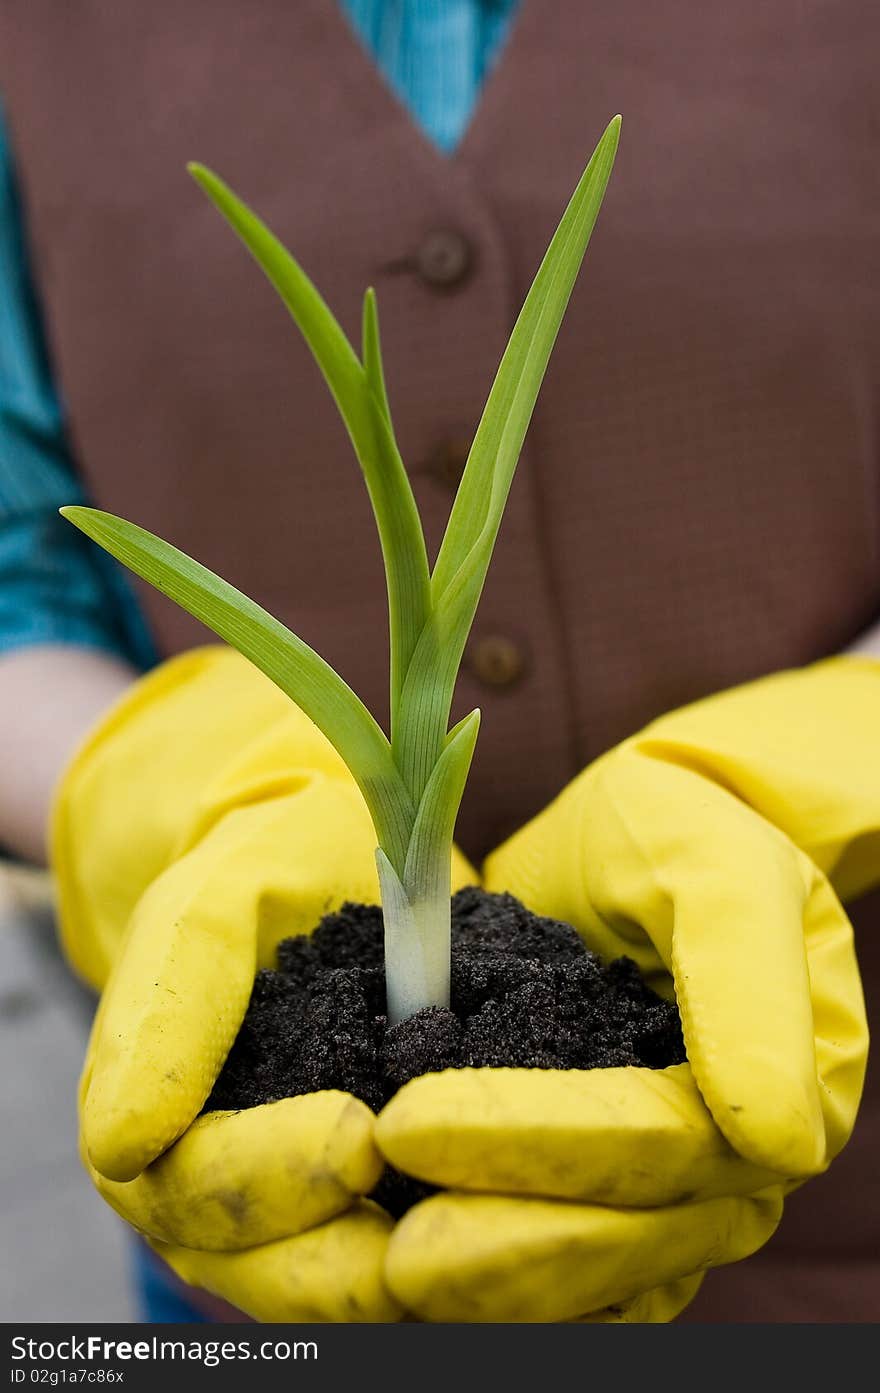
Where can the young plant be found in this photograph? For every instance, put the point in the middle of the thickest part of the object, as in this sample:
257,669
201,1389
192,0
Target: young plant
413,781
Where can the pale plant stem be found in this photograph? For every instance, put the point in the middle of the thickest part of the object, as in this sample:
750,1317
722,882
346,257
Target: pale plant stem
417,937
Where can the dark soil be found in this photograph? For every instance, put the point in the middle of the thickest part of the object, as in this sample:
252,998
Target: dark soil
525,993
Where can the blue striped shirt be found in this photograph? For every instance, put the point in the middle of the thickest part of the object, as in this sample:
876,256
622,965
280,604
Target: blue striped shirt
434,54
55,586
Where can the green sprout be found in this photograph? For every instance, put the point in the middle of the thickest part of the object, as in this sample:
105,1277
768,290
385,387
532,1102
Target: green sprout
414,781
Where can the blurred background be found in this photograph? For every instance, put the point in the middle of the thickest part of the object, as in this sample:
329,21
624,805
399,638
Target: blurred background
79,1265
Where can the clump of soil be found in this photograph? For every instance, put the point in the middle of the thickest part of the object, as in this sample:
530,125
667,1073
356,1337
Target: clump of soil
525,993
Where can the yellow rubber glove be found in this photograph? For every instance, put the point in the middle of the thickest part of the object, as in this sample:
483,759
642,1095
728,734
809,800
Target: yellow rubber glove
205,820
701,849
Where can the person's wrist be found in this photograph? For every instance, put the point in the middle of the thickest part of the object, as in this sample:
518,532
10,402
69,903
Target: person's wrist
868,642
50,696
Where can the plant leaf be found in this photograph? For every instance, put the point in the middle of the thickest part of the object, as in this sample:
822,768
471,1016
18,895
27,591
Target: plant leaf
431,677
359,392
426,876
460,571
371,348
482,493
328,343
291,664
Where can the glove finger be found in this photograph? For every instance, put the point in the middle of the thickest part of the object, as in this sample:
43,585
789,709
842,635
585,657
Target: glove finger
839,1018
721,896
816,779
332,1273
655,1307
613,1136
553,867
236,1180
127,796
477,1258
181,985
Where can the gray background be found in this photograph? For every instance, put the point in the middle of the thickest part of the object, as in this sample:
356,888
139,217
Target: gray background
63,1254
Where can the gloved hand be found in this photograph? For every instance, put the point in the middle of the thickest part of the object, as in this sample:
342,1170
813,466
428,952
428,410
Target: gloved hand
205,820
700,848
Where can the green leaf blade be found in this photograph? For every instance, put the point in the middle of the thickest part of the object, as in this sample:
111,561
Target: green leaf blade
482,494
432,675
426,873
464,557
289,662
328,343
360,395
371,351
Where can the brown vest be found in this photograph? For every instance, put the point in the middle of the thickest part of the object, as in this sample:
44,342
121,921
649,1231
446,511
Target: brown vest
697,502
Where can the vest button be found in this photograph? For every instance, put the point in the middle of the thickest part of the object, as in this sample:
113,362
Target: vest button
495,660
444,259
447,460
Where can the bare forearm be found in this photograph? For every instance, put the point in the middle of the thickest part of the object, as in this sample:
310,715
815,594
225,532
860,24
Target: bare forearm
49,697
868,643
